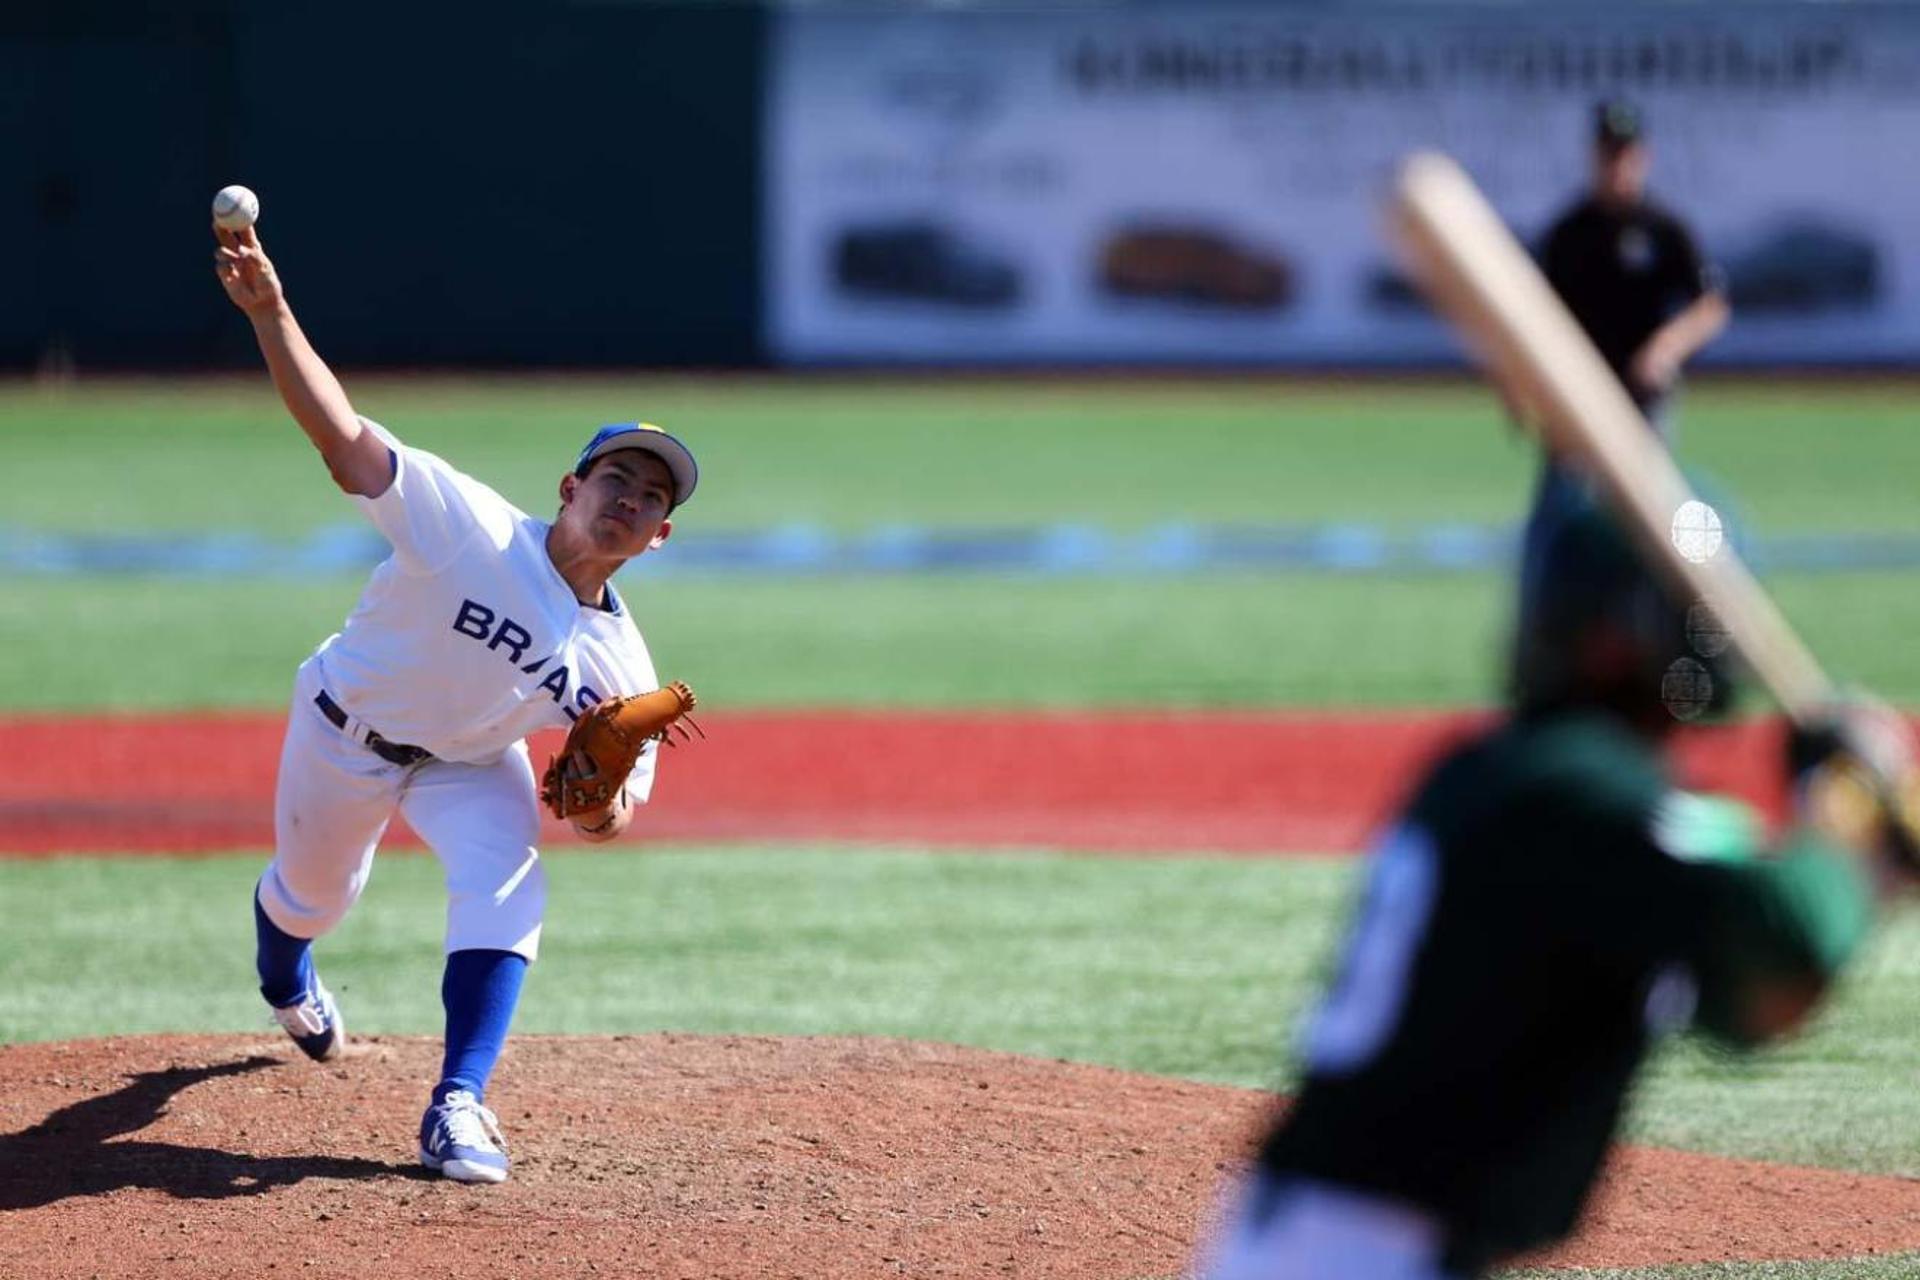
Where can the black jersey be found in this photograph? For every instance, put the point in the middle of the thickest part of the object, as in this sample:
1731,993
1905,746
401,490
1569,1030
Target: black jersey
1623,272
1546,905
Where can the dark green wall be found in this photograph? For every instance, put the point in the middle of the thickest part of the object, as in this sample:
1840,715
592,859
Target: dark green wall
556,184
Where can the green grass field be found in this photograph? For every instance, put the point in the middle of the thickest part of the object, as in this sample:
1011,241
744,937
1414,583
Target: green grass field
854,455
851,454
1231,640
1193,968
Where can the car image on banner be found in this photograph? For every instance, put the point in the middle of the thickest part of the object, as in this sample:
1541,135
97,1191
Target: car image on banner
921,261
1173,262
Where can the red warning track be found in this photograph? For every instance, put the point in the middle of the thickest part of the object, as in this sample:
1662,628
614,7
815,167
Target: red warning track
1114,782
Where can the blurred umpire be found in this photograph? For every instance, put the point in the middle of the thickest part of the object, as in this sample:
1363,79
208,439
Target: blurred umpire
1629,270
1633,276
1544,907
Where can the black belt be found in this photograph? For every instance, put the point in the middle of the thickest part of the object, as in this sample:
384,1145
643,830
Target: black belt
392,752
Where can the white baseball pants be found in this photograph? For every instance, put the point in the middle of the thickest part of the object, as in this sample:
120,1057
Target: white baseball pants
334,798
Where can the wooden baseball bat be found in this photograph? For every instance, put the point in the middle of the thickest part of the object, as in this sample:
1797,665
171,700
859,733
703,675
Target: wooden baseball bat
1476,273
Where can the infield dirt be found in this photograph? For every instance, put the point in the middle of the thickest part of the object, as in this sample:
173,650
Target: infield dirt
685,1156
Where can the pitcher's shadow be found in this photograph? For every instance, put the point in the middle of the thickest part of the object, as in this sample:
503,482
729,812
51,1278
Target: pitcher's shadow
74,1152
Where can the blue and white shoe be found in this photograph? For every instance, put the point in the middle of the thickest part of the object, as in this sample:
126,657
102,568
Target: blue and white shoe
314,1023
461,1140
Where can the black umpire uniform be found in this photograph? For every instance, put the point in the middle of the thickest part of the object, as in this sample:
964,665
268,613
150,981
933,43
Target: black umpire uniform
1625,266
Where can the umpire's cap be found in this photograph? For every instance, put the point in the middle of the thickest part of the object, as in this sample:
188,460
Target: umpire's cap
1659,653
650,439
1617,124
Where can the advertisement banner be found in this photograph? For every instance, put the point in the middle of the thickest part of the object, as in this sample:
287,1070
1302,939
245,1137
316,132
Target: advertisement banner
1201,183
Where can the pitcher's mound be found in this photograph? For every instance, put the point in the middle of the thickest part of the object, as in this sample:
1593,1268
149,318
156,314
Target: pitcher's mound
707,1157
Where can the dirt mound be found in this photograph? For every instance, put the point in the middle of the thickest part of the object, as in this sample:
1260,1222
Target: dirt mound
719,1157
656,1155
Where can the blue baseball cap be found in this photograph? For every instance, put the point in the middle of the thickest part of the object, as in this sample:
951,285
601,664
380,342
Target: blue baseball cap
651,439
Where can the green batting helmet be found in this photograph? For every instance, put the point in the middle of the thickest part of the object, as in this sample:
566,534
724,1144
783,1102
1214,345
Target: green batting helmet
1598,628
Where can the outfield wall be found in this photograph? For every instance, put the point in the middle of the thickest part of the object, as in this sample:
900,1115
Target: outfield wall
441,185
628,183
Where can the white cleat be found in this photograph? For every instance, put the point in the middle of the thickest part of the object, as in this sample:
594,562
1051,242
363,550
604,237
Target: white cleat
314,1023
460,1139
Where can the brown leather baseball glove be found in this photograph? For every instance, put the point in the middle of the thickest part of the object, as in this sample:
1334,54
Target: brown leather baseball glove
606,740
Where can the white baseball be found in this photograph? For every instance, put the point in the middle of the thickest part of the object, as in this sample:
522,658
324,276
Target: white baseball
235,208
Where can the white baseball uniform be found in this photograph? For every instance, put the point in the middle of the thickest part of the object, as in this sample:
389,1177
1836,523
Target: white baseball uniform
466,640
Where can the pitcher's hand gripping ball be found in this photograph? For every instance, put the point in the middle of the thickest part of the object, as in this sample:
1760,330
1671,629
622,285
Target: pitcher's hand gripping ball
604,743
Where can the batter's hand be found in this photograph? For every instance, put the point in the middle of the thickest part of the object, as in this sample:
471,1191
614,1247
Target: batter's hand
245,272
1857,780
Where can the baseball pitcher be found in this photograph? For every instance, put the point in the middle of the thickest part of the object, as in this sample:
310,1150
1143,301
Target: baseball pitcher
484,625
